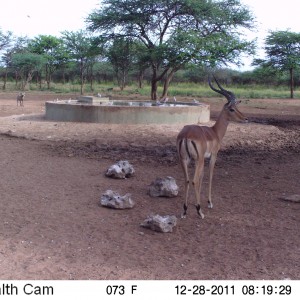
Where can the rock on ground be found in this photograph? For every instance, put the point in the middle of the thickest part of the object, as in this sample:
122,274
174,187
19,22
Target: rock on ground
121,170
291,198
164,187
112,199
160,223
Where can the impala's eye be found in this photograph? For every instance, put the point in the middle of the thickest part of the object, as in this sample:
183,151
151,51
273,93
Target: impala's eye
231,109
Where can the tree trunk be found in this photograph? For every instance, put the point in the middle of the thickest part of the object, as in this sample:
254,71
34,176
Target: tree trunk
48,76
292,82
48,83
4,80
140,79
154,89
81,77
167,83
92,84
64,74
26,80
39,79
154,83
16,78
156,78
124,78
92,78
50,79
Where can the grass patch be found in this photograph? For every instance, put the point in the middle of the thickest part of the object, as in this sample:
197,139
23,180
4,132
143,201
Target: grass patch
175,89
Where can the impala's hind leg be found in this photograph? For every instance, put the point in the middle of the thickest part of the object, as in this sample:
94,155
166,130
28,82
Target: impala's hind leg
197,182
184,164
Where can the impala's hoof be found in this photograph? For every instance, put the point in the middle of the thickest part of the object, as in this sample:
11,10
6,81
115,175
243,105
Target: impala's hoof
210,205
199,211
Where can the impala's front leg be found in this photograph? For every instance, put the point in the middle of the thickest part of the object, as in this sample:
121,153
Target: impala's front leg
197,182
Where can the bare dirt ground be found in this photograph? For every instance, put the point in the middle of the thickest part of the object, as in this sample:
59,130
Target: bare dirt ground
52,177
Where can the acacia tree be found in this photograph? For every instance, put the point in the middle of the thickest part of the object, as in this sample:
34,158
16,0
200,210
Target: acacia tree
283,53
81,48
19,46
176,32
26,64
122,55
52,49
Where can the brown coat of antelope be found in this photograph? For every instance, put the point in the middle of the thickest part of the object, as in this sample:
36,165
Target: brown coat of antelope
196,143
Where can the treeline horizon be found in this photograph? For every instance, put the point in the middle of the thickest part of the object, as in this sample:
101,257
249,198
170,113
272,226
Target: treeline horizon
103,73
45,60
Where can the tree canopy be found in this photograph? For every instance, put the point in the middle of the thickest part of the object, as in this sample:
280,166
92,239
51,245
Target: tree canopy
283,53
5,39
82,48
175,33
26,64
53,51
121,56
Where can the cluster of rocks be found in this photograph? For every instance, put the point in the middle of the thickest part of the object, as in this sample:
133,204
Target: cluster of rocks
160,187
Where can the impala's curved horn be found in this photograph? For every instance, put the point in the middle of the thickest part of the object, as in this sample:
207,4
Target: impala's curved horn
229,95
214,89
225,91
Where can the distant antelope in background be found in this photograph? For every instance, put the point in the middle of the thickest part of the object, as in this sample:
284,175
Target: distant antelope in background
20,98
199,142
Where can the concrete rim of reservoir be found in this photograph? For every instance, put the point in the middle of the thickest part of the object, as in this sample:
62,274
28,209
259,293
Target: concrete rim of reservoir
127,112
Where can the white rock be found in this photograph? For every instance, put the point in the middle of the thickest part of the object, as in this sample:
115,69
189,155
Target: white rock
291,198
160,223
121,170
112,199
164,187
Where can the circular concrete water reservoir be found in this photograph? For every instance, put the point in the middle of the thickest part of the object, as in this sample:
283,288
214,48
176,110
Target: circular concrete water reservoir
127,112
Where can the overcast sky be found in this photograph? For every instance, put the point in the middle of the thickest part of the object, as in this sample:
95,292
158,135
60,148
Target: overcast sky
272,15
34,17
